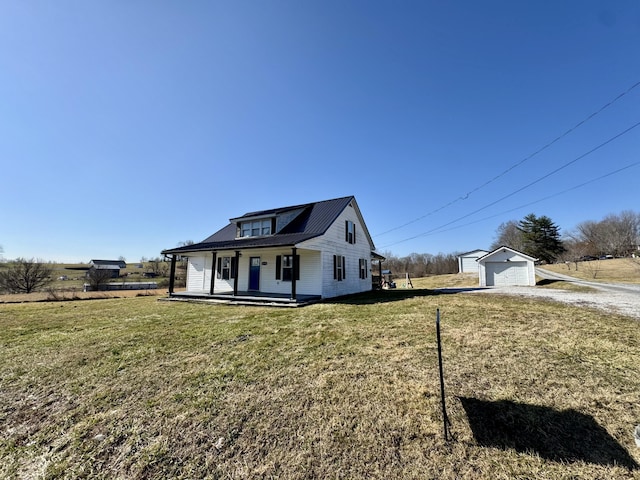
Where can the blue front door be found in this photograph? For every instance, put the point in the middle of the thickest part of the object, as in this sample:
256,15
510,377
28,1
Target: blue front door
254,273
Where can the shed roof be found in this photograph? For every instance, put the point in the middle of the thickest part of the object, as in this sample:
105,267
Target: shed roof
468,254
503,248
111,263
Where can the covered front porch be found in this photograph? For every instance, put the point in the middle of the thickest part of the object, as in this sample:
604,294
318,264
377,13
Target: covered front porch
268,273
246,298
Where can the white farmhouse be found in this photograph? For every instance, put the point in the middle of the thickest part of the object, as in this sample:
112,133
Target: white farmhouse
291,255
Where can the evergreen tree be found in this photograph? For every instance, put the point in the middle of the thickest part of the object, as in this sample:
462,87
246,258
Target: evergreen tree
541,238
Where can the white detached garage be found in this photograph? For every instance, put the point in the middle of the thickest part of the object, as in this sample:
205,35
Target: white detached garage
506,266
468,262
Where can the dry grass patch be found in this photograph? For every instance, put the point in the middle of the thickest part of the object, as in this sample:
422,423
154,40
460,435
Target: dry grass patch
617,270
561,285
66,295
135,388
455,280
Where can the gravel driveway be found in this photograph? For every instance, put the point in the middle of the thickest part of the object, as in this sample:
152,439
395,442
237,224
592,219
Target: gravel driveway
620,298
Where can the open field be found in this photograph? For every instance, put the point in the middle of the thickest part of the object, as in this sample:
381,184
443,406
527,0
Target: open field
136,388
72,295
617,270
71,288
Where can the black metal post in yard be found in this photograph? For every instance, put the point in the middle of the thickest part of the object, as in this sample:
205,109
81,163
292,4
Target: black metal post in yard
445,418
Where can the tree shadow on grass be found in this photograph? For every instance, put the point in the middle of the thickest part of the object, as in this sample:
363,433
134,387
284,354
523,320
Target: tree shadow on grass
561,436
546,281
393,295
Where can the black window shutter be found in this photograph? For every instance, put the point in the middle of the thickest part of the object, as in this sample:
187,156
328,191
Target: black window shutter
344,268
219,269
346,230
234,267
366,269
273,226
278,266
335,268
354,233
297,272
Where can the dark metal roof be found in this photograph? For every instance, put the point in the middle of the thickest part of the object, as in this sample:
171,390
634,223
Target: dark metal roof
313,220
114,263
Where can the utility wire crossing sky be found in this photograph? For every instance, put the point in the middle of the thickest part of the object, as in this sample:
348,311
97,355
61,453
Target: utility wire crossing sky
128,127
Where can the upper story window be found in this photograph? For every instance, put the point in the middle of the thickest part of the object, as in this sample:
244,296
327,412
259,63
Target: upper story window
350,232
256,228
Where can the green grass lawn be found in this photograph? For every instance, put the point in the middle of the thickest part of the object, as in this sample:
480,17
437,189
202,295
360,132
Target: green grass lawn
137,388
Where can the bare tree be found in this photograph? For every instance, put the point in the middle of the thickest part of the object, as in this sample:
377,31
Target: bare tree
98,278
157,267
421,264
25,276
576,250
509,235
613,235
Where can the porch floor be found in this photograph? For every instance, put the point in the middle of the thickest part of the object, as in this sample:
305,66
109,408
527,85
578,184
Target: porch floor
246,298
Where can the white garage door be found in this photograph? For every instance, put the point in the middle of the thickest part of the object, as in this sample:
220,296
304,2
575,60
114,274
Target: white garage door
506,273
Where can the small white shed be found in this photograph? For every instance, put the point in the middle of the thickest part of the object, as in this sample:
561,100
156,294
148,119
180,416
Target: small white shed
468,262
506,266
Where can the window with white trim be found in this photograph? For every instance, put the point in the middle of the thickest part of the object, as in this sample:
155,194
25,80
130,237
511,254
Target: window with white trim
226,268
285,267
364,271
255,228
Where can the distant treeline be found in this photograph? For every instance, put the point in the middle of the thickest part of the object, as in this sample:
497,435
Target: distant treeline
421,264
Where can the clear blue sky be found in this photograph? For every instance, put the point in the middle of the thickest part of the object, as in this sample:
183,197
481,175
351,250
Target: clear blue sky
129,126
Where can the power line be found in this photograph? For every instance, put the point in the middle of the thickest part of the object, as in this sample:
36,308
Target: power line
515,165
548,197
538,180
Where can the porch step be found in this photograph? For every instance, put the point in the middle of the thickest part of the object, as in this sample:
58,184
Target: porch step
242,300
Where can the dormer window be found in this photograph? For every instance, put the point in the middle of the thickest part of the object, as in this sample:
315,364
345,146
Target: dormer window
256,228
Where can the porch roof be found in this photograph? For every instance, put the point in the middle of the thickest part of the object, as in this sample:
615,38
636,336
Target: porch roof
286,240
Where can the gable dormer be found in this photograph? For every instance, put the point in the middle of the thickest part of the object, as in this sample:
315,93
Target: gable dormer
261,226
265,223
